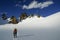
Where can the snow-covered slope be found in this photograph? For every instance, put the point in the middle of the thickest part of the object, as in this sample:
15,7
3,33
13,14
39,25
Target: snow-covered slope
3,21
43,28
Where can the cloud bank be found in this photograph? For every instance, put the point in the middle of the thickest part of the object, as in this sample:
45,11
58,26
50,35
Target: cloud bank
35,4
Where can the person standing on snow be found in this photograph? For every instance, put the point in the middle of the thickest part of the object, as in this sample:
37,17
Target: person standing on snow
15,33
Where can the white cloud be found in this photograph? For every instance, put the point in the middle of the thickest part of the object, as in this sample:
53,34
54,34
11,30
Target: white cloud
35,4
18,5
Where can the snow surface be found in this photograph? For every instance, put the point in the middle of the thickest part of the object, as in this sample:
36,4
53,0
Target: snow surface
43,28
3,21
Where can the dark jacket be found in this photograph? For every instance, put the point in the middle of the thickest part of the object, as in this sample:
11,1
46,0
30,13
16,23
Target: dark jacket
15,31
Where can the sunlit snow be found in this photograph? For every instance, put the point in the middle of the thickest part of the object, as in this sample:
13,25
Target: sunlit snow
43,28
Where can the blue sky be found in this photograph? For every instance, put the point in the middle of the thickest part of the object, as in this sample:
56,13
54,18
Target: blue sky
16,7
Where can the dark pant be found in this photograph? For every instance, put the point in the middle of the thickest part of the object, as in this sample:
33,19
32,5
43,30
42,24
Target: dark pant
15,35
